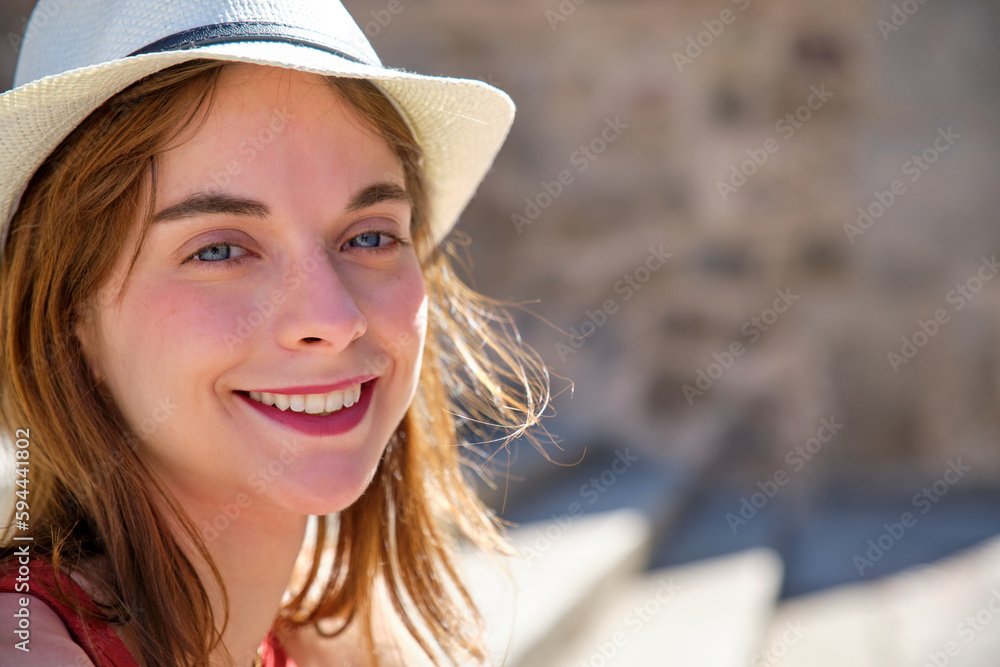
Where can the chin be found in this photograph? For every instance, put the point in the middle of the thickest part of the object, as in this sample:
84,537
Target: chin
327,489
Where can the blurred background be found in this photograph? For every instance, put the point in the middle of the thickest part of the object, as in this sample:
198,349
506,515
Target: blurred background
756,236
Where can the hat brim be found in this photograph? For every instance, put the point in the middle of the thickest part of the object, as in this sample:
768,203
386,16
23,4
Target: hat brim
460,124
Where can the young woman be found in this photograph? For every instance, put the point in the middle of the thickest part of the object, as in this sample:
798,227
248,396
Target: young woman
225,309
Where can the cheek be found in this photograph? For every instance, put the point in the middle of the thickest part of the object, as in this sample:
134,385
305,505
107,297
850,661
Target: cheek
204,321
399,321
168,334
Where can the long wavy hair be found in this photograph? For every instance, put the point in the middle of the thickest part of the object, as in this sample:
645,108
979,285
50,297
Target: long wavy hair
94,496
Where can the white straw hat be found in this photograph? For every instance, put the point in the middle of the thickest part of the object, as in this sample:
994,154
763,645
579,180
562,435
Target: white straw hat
76,54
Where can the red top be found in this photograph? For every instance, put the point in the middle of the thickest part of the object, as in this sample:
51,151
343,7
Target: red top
98,640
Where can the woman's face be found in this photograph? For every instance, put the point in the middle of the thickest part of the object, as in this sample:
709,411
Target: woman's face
268,341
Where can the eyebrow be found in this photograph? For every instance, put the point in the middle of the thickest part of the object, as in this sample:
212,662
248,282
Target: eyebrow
378,193
212,203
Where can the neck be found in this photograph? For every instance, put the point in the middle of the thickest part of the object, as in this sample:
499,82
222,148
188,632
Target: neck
255,553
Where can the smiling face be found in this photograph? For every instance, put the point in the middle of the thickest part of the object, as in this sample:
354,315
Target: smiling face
269,337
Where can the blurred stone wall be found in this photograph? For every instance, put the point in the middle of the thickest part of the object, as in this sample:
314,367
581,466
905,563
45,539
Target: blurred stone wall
806,111
739,138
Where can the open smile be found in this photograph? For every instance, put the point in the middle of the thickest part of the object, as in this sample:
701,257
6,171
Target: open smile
330,413
314,404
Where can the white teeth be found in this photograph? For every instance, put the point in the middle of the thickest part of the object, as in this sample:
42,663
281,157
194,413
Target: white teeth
334,401
351,396
314,404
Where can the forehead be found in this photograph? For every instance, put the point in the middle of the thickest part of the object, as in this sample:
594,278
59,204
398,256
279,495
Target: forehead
245,88
278,130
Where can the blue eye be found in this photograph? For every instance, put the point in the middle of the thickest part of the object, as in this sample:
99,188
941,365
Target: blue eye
369,240
219,252
377,241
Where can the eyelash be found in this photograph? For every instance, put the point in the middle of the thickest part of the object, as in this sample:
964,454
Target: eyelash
398,241
237,261
223,263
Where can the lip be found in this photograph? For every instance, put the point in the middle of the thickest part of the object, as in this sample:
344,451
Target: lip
338,423
319,388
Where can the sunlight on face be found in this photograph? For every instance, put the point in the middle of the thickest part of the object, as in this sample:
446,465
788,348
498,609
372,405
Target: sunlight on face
269,338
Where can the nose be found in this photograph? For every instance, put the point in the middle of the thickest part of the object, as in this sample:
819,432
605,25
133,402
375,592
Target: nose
319,309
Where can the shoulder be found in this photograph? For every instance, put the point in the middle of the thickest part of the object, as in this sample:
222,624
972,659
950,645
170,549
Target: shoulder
44,643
